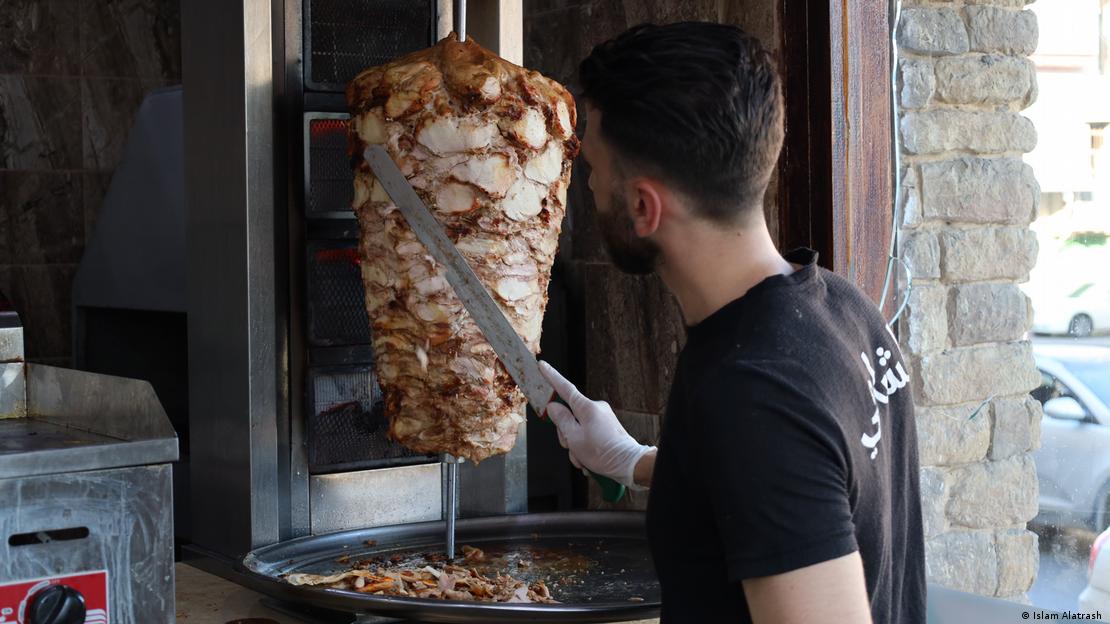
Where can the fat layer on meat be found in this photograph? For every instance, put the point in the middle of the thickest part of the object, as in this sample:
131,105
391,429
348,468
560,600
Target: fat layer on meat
488,146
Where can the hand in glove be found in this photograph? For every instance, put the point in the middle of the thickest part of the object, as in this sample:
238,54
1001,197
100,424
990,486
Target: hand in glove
591,432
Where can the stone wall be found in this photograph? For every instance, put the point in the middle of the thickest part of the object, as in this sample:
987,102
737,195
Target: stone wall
72,76
969,198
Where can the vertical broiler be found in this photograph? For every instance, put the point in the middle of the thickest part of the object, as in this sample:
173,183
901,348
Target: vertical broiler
287,426
290,388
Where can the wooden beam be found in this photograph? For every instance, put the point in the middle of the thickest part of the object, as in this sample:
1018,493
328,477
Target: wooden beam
862,205
835,190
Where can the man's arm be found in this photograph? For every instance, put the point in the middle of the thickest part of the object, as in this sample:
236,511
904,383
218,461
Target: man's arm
644,469
830,591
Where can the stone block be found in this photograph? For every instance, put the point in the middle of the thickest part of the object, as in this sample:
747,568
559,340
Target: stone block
1013,4
929,30
1016,426
939,131
921,251
934,499
925,320
911,198
998,29
969,374
964,561
993,494
918,82
979,190
1018,560
987,253
984,79
987,312
949,436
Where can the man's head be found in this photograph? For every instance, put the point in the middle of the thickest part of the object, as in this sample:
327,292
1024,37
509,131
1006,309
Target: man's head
686,114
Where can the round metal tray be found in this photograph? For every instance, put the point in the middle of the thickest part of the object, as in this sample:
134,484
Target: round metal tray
612,578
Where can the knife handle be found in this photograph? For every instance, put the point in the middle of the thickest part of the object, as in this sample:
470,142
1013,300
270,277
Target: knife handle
611,491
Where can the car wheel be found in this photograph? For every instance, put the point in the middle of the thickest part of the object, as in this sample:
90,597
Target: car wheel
1081,326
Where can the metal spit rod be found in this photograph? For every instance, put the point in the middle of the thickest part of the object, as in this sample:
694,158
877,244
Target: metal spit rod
450,500
460,19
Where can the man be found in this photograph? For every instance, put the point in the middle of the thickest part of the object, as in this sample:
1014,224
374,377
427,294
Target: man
785,486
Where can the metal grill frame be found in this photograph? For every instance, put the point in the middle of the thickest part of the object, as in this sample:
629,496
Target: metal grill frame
313,412
309,117
312,85
319,316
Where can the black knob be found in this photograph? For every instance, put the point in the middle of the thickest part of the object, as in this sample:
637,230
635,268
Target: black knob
57,604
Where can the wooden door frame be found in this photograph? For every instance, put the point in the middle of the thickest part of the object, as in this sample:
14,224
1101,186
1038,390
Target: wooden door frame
835,191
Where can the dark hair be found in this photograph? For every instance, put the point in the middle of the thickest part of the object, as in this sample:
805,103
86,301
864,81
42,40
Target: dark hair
696,104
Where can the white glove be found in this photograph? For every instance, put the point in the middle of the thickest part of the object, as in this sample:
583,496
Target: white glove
591,432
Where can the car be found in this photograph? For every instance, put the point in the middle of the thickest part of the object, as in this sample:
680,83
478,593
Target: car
1096,596
1073,461
1080,313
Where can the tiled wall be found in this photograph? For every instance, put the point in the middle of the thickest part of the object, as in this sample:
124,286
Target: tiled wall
72,76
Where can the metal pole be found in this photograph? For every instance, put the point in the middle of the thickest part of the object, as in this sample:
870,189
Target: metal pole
460,19
450,500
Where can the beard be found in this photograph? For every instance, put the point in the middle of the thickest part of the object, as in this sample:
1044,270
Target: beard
630,253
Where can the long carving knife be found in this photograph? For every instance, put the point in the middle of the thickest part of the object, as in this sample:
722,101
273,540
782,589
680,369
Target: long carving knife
517,358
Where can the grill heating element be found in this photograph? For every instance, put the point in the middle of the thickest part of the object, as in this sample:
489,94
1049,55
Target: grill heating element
344,37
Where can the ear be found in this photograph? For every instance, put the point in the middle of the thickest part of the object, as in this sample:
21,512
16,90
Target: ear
647,207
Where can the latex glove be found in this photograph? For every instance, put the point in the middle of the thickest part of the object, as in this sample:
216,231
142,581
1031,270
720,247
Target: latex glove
590,431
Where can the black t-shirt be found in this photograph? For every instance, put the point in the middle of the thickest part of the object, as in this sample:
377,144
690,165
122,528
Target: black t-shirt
788,440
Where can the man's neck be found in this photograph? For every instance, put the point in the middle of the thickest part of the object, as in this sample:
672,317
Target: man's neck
712,267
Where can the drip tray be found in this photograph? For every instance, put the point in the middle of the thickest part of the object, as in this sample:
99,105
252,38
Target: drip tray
596,564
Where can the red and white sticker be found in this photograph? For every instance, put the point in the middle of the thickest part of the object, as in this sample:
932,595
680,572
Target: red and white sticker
16,597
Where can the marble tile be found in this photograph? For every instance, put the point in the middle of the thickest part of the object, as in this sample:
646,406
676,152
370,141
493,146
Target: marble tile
43,216
94,186
109,107
131,39
41,296
40,122
39,37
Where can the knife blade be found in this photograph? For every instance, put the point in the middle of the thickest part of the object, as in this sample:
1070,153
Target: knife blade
517,358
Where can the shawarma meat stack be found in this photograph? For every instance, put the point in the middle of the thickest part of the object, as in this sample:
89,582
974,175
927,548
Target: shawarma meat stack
488,146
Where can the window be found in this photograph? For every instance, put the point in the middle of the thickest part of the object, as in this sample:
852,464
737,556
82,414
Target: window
1070,293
